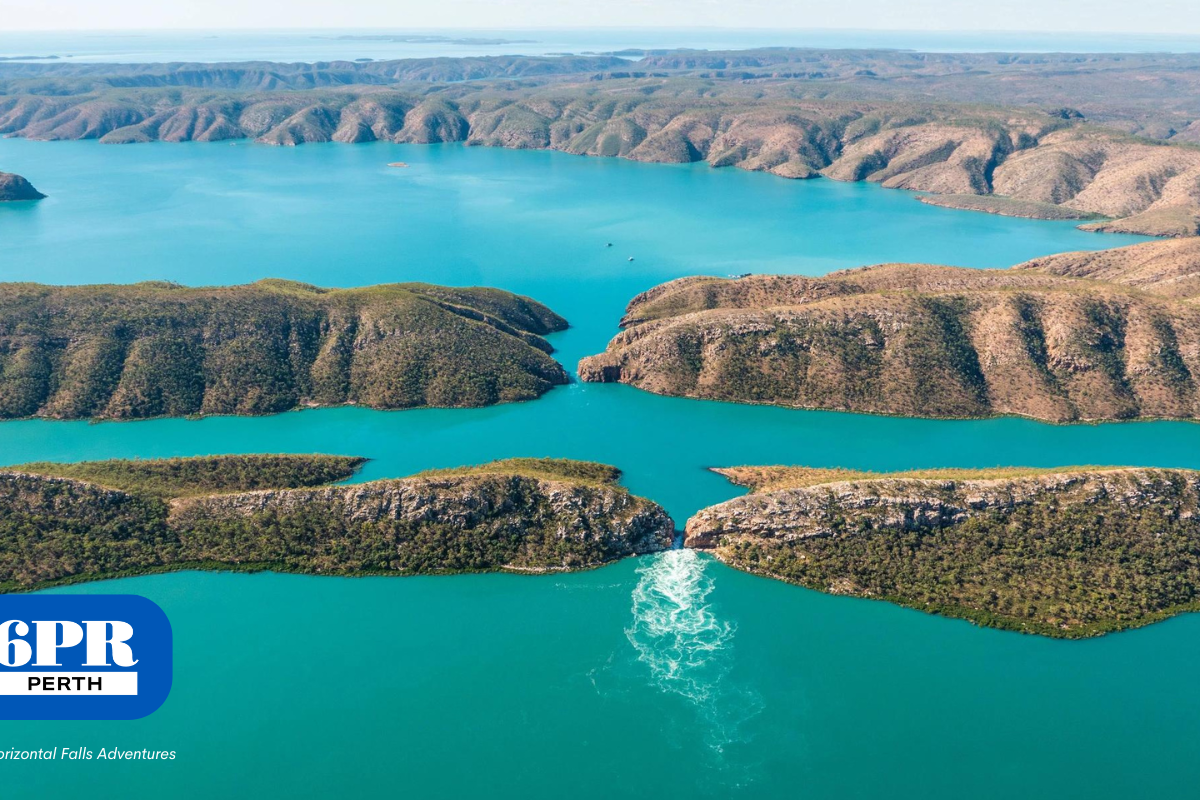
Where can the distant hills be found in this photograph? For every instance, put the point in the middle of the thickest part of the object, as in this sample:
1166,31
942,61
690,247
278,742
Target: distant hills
1104,139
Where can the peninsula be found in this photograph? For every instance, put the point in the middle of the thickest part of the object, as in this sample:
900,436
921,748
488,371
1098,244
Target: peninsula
991,132
160,349
69,523
1067,553
1077,337
14,188
996,132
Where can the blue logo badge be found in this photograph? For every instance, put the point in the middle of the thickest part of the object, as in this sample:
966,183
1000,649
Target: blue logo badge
82,656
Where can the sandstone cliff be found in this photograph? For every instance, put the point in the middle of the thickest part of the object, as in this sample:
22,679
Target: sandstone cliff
914,340
1073,552
526,515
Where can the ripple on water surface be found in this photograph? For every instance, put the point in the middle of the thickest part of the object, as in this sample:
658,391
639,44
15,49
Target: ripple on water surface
685,644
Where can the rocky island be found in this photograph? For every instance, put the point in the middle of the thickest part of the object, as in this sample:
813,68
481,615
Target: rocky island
1083,336
997,132
160,349
1067,553
14,188
68,523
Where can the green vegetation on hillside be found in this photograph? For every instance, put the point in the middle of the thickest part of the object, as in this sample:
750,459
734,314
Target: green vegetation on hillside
1065,553
158,349
762,480
553,469
78,522
200,475
916,340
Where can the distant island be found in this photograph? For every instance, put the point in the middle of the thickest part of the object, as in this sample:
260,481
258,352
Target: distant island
419,39
1079,337
1069,553
160,349
997,132
68,523
14,188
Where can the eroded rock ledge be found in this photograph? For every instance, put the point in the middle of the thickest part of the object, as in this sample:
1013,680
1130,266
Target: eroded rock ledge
128,518
1070,553
1047,340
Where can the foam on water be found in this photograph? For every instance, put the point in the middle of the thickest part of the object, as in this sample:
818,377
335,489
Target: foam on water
687,647
675,631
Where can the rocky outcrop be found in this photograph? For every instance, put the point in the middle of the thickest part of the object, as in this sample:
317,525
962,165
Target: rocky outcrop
552,516
914,340
1072,552
14,188
525,515
157,349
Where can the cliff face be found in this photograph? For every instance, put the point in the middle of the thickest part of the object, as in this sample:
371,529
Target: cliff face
482,521
1063,553
525,515
914,340
123,352
1024,161
14,187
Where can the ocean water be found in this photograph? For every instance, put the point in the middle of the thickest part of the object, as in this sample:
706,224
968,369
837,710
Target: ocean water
666,676
338,44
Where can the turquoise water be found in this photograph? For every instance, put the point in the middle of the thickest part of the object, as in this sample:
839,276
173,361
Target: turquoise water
659,677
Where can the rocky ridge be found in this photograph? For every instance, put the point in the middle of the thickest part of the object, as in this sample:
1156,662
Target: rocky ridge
526,515
1169,268
915,340
1071,552
1022,160
159,349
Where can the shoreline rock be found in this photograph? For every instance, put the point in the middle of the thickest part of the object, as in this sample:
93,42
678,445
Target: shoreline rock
14,188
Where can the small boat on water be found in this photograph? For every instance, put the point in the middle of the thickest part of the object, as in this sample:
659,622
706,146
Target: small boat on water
397,164
631,258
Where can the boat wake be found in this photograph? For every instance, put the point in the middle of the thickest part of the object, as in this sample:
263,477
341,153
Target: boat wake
686,645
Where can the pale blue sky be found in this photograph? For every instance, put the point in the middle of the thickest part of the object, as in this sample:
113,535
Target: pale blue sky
1147,16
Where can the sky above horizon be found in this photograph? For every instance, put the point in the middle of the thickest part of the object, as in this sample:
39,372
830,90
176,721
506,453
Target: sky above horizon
1179,17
